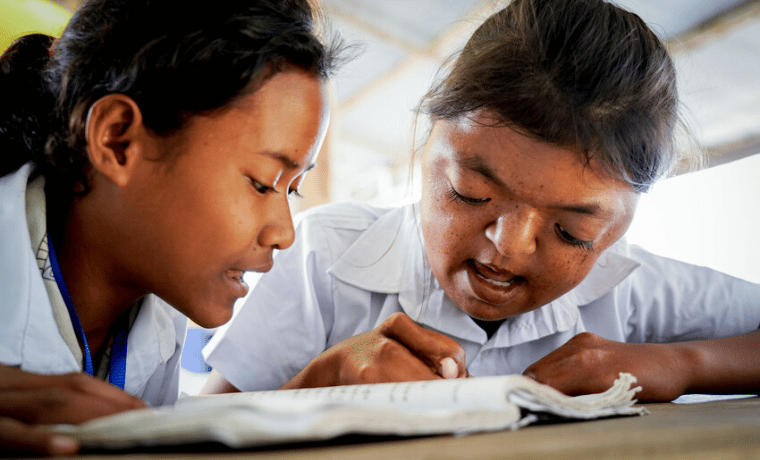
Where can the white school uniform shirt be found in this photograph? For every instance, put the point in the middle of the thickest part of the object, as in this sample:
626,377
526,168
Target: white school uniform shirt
352,265
30,338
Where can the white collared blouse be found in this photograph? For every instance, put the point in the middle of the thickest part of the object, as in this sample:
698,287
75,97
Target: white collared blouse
29,335
353,265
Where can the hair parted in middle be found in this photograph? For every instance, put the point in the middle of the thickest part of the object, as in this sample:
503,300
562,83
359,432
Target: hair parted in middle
582,74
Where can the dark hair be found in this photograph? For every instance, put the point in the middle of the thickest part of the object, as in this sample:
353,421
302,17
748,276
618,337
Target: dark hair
583,74
175,58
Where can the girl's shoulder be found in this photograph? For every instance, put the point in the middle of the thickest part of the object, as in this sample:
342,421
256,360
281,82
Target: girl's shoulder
344,215
335,229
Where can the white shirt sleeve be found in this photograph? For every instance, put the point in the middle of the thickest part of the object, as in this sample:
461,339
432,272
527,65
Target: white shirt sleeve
672,301
162,388
285,320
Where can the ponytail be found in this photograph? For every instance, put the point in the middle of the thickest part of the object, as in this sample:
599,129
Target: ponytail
27,102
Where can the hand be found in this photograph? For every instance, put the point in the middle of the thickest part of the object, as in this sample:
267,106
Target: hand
398,350
588,364
28,399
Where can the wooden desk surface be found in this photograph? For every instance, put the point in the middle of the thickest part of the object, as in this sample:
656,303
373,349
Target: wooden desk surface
724,429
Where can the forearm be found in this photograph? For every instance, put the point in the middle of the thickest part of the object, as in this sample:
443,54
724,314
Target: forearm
723,366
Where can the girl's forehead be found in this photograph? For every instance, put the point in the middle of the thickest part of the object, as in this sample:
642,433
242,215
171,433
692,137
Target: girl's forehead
484,139
520,165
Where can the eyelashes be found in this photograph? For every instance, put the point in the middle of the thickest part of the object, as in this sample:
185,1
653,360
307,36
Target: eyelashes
264,189
259,187
456,196
564,236
570,239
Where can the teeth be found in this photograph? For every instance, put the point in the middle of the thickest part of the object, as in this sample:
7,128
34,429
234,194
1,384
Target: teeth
498,283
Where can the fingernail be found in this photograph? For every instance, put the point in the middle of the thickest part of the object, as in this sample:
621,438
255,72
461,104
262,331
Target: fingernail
62,444
449,368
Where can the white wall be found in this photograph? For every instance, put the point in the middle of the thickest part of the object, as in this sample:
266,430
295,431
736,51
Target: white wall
710,217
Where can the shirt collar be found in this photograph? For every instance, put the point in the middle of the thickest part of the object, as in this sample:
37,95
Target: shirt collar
384,258
152,341
612,267
389,258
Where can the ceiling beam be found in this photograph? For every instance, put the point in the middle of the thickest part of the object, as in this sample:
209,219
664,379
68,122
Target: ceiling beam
732,151
715,27
719,155
708,31
370,28
436,51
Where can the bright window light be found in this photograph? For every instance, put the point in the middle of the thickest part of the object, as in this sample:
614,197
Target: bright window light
710,217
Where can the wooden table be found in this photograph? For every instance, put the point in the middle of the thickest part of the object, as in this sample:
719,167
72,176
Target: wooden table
722,429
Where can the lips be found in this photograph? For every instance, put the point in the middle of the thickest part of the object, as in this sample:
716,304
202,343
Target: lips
494,275
239,286
491,284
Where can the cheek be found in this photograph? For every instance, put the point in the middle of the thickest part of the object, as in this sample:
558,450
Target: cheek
565,267
213,224
566,271
239,214
444,224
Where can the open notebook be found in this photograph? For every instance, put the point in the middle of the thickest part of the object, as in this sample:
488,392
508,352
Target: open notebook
454,406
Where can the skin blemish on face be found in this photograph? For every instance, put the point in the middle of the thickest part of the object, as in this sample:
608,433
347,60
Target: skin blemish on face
527,221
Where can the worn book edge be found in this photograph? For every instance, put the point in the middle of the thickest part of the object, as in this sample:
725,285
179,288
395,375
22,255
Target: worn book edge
455,406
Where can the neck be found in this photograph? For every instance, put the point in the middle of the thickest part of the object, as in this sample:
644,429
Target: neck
98,289
490,327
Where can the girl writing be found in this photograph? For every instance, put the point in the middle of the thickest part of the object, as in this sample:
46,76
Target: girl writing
146,159
551,122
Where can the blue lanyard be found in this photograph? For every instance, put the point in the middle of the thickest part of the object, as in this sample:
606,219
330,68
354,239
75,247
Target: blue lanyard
118,365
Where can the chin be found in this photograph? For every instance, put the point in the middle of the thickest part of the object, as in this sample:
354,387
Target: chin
210,315
211,323
486,317
483,311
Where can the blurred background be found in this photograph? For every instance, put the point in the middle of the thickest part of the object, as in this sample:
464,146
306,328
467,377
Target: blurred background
708,217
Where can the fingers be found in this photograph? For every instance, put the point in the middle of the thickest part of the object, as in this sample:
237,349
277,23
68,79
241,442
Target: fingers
59,405
396,351
449,368
441,353
27,399
19,437
585,364
390,362
67,398
16,379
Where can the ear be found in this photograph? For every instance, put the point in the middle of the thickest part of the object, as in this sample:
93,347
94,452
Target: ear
116,137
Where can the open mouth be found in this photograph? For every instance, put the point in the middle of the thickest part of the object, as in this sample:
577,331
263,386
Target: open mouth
499,279
240,286
237,275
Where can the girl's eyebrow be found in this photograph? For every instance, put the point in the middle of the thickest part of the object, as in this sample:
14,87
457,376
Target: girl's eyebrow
476,164
287,162
592,209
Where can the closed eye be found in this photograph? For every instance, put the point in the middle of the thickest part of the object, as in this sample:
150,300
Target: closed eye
261,188
456,196
570,239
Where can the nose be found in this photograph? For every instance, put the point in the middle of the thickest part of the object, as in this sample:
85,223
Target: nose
277,231
514,232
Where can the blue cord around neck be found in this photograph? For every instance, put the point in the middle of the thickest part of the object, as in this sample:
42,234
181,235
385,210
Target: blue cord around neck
118,365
